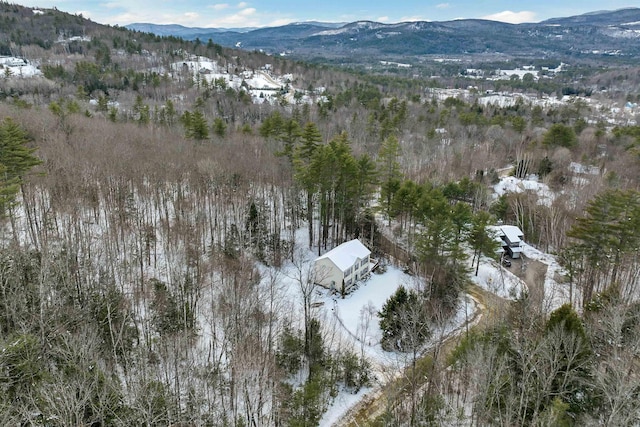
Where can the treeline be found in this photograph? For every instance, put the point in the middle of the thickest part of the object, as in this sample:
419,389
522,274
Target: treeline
126,268
565,369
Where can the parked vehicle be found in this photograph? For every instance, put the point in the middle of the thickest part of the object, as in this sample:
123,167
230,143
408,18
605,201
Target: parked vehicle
506,262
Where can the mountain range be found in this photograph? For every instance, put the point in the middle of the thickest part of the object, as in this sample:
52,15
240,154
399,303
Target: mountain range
590,36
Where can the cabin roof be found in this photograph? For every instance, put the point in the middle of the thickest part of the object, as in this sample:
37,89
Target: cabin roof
345,255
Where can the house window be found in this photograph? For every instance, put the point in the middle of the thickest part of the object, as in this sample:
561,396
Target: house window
349,282
364,262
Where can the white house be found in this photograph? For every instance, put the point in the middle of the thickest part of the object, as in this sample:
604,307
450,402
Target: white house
511,238
343,266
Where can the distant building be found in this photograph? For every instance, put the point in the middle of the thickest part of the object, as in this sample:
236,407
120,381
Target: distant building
342,267
11,61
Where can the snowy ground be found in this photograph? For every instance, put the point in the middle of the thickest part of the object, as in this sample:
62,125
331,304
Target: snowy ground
498,280
352,321
358,317
511,184
364,304
260,84
502,282
11,66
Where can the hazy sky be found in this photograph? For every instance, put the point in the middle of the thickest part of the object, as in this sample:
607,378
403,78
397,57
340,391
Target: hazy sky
261,13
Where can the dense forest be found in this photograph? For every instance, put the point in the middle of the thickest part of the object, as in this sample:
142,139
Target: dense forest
154,221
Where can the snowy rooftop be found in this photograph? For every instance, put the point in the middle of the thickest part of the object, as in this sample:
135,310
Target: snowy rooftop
513,233
18,67
345,255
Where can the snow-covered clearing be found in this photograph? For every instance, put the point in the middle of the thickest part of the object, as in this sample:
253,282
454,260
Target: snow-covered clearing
386,365
11,66
498,280
260,84
352,322
511,184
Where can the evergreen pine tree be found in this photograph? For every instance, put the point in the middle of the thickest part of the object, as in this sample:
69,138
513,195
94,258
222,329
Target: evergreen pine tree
389,170
16,159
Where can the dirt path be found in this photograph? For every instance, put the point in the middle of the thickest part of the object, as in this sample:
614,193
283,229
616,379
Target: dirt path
532,272
489,310
373,404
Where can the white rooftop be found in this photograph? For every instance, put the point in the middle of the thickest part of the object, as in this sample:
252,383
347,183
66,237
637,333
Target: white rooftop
345,255
512,233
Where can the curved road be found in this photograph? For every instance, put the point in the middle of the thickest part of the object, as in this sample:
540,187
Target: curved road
373,403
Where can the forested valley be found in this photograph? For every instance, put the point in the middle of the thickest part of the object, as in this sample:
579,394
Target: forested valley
154,226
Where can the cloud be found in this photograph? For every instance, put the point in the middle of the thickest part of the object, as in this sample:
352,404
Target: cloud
217,14
443,6
111,5
383,19
414,18
189,19
512,17
244,18
279,22
190,16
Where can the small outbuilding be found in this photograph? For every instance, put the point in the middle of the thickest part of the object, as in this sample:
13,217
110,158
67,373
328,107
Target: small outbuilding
342,267
511,238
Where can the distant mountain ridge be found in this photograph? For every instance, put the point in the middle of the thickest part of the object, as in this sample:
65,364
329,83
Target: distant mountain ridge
191,33
599,18
182,31
609,33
